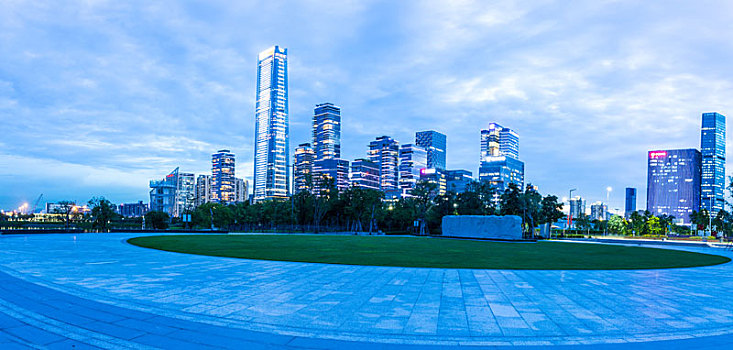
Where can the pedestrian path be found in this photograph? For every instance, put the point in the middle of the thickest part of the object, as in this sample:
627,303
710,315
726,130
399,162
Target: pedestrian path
95,290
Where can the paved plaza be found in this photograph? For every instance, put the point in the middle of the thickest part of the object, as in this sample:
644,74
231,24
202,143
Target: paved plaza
95,290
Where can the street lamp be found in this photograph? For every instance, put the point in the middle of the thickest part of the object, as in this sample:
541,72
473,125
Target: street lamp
570,218
608,194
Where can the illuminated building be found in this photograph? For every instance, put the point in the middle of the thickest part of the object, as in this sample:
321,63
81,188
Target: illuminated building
630,205
435,145
133,209
303,168
336,169
271,158
384,152
326,131
712,148
222,177
175,194
435,176
458,180
599,211
365,173
500,164
673,183
499,141
203,189
413,159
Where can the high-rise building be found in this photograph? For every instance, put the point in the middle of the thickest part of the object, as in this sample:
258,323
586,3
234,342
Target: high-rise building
630,206
500,164
303,168
240,190
673,183
435,144
334,169
599,211
458,180
133,210
577,207
327,131
437,177
272,144
712,148
203,189
498,141
413,159
175,194
384,152
365,173
222,177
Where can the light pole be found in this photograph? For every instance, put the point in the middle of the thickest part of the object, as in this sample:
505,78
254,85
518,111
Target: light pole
608,194
570,218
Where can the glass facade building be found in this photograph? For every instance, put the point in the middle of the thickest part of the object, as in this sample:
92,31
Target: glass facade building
673,183
203,189
271,158
458,180
577,207
435,145
413,159
499,141
303,168
222,177
384,152
174,195
336,169
712,148
365,173
630,204
327,131
501,171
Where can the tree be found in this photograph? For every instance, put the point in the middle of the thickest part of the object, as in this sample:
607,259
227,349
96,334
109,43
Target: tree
700,219
360,205
423,195
723,223
550,211
102,213
582,222
158,220
654,226
617,225
324,199
66,209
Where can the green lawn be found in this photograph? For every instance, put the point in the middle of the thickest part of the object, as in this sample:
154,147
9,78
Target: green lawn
429,252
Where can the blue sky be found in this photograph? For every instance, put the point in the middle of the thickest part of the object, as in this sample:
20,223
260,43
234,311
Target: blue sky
99,97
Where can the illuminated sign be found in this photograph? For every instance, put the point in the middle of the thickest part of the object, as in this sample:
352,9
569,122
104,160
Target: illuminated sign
657,154
426,171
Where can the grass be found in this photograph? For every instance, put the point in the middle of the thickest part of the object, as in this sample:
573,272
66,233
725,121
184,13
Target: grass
429,252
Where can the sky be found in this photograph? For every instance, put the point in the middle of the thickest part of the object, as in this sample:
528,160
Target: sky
97,98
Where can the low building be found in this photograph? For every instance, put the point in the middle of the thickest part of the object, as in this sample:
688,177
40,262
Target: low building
133,209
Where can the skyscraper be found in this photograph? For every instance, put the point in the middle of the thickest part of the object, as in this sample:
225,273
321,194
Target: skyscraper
577,207
499,141
222,177
327,131
712,147
500,164
175,194
458,180
384,152
303,168
630,206
271,173
334,169
413,159
435,144
673,183
203,189
599,211
240,190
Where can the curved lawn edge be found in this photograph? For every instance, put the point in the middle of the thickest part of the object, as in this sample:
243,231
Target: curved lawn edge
425,252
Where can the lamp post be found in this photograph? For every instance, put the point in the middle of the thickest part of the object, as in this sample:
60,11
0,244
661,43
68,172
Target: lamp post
570,218
605,213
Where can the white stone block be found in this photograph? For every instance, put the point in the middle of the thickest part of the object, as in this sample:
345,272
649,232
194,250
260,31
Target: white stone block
508,227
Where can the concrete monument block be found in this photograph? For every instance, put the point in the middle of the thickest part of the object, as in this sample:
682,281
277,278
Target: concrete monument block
508,227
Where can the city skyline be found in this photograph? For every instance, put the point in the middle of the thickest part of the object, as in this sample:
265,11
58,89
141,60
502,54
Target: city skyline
166,118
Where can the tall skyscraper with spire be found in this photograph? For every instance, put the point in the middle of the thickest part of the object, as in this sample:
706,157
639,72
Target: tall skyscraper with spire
272,144
712,147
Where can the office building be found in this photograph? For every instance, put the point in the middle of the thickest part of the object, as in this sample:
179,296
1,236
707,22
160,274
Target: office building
498,141
133,210
458,180
174,195
271,158
384,152
303,168
712,148
413,159
327,131
673,183
222,177
630,204
365,174
334,170
435,145
437,177
203,189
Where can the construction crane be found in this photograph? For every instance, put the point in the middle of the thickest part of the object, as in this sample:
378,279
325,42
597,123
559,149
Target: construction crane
33,211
